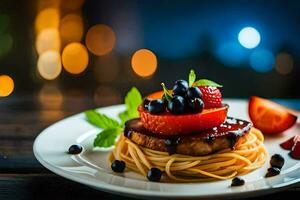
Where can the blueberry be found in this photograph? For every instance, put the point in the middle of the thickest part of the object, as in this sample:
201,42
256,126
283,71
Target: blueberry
195,105
118,166
180,88
154,174
277,161
75,149
177,105
194,92
146,103
273,171
237,181
156,106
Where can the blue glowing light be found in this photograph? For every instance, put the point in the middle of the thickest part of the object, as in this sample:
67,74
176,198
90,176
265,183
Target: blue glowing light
232,54
249,37
262,60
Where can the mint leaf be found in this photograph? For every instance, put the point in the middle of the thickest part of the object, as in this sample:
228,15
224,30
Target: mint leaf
107,137
124,116
206,82
101,120
132,100
192,77
167,94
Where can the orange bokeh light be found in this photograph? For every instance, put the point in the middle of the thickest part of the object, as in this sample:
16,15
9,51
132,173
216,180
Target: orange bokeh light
6,85
144,62
48,39
49,64
75,58
100,39
71,28
47,18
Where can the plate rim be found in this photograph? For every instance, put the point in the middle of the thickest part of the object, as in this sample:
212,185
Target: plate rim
126,191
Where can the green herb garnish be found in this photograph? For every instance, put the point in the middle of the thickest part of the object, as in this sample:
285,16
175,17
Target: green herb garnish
201,82
192,77
167,93
206,82
112,128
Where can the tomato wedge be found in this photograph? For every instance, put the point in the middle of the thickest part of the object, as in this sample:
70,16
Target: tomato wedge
270,117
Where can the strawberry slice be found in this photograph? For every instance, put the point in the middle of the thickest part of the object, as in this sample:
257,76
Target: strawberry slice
295,153
270,117
211,97
168,124
289,144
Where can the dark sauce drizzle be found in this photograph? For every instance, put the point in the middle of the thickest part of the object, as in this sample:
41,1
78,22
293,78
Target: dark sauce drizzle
232,128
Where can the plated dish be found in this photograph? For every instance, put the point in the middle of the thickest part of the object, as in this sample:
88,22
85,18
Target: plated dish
178,138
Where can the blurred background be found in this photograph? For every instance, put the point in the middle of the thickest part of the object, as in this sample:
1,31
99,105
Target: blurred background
100,49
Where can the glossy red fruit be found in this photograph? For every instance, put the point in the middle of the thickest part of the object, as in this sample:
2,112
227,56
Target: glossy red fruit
288,145
270,117
169,124
295,153
211,97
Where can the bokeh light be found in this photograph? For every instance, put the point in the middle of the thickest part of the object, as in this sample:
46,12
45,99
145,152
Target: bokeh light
106,68
47,18
262,60
49,64
6,85
100,39
232,54
144,62
48,39
75,58
284,63
6,44
71,28
249,37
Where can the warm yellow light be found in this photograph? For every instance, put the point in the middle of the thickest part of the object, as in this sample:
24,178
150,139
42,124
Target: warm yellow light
75,58
6,85
49,64
144,62
48,39
71,28
72,4
100,39
47,18
106,68
284,63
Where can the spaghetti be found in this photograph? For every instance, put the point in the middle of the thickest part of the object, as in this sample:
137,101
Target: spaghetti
248,154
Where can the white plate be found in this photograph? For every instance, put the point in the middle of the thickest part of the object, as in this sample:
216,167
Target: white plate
92,167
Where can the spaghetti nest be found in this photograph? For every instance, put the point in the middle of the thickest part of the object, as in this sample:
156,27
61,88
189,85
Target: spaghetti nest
248,154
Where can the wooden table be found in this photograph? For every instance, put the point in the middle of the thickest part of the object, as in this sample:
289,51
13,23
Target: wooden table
22,118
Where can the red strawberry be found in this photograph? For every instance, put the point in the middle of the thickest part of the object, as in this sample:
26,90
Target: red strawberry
211,96
290,143
168,124
295,153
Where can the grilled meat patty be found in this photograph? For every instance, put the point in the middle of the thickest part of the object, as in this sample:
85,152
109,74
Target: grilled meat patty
197,144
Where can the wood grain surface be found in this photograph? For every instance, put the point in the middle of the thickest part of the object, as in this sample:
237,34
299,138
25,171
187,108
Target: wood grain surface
22,118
